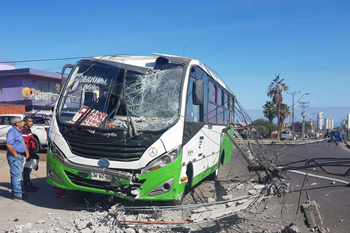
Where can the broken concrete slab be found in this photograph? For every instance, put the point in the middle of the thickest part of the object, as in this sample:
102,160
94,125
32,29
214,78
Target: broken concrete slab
211,200
227,197
252,192
259,186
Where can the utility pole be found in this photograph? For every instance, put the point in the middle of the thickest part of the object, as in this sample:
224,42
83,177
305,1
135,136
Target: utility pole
293,94
303,105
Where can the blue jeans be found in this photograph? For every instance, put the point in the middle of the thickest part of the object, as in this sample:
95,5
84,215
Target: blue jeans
16,167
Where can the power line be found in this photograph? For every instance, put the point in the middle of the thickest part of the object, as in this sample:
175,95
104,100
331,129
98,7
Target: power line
47,59
59,59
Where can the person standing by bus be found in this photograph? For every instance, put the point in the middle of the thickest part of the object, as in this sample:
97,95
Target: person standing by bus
30,144
16,153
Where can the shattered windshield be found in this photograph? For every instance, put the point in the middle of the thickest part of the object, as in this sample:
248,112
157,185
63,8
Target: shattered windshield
152,100
102,96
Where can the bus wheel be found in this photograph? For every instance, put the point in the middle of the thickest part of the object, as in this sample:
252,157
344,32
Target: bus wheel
222,157
189,173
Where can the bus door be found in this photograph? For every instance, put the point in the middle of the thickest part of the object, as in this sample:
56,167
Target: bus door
194,131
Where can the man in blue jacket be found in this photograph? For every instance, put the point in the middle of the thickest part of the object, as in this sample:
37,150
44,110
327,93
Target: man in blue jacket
16,154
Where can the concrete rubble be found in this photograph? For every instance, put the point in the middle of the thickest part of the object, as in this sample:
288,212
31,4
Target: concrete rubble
122,219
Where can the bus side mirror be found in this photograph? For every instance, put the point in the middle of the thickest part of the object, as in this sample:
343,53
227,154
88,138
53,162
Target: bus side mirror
198,92
63,76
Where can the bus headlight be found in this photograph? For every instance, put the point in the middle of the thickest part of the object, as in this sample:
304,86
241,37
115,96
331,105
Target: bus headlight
162,161
56,152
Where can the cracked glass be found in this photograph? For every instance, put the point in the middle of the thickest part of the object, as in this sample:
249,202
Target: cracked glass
152,100
121,99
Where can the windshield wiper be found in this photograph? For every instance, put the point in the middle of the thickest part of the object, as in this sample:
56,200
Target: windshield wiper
131,127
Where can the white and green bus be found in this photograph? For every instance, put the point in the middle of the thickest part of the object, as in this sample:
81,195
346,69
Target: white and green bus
139,127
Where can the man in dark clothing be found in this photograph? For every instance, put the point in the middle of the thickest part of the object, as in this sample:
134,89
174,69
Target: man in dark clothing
30,144
16,154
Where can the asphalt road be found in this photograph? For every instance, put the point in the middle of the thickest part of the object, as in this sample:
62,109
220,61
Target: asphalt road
333,199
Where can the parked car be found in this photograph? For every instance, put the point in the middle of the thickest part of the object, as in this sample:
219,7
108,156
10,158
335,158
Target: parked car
286,135
39,129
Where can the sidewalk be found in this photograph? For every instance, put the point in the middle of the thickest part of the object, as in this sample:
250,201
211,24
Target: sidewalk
36,207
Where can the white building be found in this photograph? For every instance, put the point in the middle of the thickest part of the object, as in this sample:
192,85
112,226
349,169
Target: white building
320,120
348,121
329,123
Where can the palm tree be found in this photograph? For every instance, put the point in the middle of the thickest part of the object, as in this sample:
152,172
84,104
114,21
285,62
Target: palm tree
270,110
284,113
274,91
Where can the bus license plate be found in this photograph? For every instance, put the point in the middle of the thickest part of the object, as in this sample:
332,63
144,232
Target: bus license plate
101,177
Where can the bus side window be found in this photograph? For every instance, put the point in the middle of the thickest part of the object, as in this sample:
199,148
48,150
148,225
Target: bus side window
202,75
219,96
212,92
227,117
212,113
211,105
192,111
220,115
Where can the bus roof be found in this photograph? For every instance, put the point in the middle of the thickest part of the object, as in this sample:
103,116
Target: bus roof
150,61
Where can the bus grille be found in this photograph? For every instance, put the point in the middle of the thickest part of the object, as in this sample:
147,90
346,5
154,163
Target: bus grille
124,153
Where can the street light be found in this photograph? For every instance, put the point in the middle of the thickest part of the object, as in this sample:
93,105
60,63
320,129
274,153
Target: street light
295,93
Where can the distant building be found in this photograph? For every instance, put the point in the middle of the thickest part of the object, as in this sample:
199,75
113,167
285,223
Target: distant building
329,123
320,120
348,121
343,122
32,88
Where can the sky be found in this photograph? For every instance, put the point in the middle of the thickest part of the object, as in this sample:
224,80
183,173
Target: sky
246,42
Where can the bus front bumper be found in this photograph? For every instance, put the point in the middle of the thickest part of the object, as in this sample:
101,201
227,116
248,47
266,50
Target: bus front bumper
158,185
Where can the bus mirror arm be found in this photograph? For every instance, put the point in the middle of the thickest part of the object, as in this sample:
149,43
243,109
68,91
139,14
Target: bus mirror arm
63,78
198,92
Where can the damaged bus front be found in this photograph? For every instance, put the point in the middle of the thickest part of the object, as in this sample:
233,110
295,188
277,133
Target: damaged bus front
138,127
106,131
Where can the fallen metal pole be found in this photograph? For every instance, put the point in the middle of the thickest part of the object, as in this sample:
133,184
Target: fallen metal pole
319,177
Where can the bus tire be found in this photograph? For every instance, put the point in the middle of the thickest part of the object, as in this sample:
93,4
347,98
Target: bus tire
222,157
189,173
